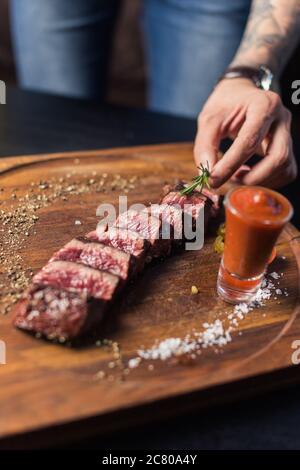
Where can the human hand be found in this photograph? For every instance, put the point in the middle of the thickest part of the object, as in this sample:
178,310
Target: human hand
258,123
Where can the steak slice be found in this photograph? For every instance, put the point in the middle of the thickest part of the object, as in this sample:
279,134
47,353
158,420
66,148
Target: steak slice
191,205
69,275
194,203
148,227
171,220
57,313
97,256
213,199
125,240
65,300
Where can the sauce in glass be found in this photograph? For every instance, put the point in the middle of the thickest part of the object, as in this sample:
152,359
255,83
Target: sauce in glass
255,216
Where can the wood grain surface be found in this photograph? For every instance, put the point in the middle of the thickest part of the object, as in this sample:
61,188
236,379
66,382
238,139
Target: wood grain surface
48,391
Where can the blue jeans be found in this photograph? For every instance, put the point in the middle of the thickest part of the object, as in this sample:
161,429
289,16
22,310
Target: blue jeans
62,47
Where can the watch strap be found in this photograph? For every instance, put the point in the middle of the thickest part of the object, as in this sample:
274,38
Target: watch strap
262,77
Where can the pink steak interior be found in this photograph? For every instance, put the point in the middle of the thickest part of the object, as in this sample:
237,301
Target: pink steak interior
66,274
96,255
121,238
145,225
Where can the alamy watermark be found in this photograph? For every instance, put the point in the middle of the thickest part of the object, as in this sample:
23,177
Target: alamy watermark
2,92
296,354
2,352
176,222
296,93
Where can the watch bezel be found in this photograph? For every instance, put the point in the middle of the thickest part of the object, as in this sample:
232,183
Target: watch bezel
266,78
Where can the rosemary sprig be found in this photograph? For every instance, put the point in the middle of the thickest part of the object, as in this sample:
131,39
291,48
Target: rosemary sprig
201,180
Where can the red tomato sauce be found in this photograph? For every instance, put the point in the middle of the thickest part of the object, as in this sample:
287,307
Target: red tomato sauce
255,216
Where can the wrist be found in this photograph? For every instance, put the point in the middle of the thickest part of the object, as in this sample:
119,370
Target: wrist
261,77
241,81
246,82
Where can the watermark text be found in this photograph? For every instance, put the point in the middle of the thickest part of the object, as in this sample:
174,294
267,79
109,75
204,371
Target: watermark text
2,92
2,352
176,222
296,93
296,354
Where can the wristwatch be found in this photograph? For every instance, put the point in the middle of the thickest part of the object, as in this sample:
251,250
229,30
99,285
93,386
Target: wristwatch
262,77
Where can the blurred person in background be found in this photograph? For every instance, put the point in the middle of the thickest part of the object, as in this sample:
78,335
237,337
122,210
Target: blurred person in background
63,47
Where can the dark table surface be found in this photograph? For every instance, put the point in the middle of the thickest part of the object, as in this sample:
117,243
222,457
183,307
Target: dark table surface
36,123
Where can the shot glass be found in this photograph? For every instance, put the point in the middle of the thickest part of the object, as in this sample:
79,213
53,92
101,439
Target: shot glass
255,217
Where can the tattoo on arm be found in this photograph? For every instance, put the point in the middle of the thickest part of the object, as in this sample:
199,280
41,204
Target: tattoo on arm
271,34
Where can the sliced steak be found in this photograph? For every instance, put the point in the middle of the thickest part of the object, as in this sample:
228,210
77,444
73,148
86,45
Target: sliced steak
98,256
214,201
69,275
148,227
125,240
70,294
192,204
171,218
208,198
57,313
195,206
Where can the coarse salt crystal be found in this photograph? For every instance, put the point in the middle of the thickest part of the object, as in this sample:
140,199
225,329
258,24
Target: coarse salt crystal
33,314
78,222
134,362
264,283
214,335
275,275
241,308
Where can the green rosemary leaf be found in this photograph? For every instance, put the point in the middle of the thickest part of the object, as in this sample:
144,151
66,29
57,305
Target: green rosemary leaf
201,181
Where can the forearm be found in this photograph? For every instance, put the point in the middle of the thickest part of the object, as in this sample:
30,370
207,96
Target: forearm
272,33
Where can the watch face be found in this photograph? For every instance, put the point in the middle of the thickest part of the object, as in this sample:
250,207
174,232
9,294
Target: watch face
266,78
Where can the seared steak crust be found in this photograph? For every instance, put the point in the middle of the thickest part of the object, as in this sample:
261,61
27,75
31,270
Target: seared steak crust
55,312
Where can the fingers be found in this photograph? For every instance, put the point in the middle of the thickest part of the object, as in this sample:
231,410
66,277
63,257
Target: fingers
240,151
251,135
238,176
259,124
234,121
278,167
208,139
262,110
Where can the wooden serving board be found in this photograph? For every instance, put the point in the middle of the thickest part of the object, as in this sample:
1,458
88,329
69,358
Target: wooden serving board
48,391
